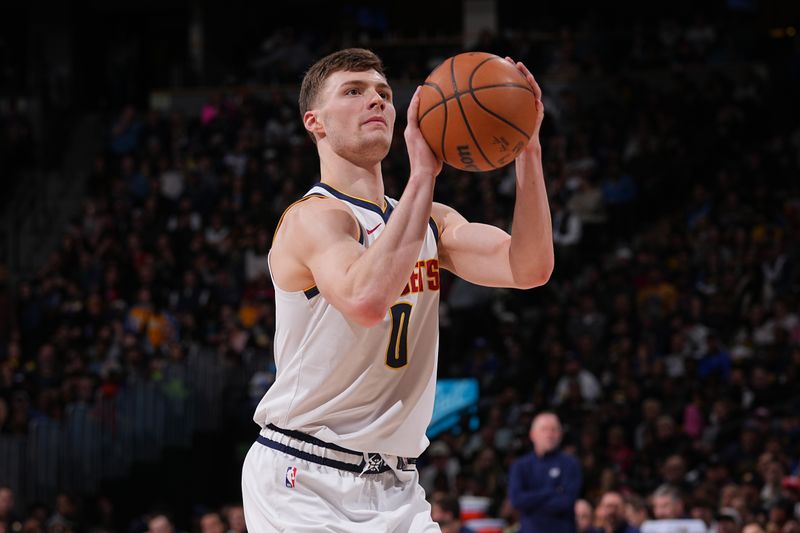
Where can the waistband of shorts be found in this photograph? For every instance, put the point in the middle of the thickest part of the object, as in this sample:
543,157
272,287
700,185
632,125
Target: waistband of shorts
314,450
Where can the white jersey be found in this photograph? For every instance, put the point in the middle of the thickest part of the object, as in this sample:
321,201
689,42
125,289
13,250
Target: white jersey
366,389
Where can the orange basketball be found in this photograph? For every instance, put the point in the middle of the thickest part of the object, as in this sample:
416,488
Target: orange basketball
477,111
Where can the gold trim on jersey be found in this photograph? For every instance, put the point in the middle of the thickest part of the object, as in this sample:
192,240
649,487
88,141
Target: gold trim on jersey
385,203
303,199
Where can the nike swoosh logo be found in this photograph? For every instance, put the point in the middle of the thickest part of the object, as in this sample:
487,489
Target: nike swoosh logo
370,231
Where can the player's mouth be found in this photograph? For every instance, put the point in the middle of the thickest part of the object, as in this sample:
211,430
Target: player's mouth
377,119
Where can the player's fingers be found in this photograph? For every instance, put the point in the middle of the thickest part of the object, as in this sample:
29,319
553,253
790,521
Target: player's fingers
509,60
413,109
537,91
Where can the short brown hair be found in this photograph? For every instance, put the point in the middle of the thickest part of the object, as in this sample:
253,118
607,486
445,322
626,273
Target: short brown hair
349,59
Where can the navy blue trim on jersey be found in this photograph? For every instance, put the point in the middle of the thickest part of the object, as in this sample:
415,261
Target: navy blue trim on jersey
389,209
359,202
435,228
311,292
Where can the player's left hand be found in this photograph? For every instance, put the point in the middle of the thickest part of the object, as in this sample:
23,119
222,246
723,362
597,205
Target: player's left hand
537,92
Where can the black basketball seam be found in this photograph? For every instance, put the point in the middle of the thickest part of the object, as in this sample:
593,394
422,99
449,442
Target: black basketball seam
479,65
464,115
481,88
444,126
499,117
475,97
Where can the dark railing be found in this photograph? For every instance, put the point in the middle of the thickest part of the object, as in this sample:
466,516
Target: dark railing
102,440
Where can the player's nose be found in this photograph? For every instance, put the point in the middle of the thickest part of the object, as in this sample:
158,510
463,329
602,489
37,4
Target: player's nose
376,100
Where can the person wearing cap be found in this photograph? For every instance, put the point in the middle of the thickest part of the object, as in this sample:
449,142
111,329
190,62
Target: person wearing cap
544,484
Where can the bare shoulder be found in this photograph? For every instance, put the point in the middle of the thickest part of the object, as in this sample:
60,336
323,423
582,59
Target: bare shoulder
309,217
304,228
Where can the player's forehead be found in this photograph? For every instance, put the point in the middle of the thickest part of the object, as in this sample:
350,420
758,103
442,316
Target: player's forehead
342,78
543,421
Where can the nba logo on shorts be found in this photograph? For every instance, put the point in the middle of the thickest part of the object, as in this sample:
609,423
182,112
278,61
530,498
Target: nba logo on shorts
291,475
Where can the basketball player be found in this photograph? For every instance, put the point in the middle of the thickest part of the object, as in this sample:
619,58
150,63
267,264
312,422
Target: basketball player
356,278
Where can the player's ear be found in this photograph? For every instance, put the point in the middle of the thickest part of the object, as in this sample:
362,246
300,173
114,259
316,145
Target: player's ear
312,123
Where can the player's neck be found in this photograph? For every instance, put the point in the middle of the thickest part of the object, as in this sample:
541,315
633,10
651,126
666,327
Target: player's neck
353,179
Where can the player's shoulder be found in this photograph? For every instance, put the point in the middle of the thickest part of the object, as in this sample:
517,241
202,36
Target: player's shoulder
314,213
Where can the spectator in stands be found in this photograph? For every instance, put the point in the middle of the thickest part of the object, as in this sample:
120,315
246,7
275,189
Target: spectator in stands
8,517
779,512
566,237
32,525
446,511
160,523
125,132
610,515
583,516
635,510
544,484
440,474
728,521
212,522
575,374
234,516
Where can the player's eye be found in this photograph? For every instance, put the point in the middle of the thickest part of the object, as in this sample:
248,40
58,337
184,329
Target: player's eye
386,95
353,92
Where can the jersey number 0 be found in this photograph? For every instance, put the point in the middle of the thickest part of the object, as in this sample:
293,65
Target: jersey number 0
397,351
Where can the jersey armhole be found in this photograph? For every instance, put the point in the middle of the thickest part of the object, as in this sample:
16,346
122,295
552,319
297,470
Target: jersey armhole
312,291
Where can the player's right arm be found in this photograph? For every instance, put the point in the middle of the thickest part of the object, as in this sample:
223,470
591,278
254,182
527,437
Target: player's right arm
317,243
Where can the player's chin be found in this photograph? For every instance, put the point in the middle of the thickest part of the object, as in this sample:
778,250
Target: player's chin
376,146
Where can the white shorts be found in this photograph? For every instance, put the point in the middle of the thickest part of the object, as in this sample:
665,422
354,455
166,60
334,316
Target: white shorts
285,488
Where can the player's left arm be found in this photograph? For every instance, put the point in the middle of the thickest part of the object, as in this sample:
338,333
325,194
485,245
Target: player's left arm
487,255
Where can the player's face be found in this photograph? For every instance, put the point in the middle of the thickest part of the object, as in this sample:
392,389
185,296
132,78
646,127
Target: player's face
357,114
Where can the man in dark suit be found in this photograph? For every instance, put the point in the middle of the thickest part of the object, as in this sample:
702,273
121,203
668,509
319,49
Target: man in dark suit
544,484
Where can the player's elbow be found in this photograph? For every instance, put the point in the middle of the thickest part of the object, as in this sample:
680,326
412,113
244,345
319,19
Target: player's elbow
367,312
535,276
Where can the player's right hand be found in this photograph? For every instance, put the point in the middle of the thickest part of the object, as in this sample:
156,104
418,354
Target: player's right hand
420,156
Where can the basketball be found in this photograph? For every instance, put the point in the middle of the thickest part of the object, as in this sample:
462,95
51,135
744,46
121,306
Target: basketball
477,111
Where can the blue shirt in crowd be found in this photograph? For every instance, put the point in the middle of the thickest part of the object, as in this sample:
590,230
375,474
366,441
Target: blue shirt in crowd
543,490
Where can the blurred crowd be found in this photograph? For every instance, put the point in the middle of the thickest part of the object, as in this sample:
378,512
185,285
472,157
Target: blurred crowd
667,341
16,143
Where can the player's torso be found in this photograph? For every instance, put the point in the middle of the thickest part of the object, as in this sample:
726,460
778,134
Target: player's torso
369,389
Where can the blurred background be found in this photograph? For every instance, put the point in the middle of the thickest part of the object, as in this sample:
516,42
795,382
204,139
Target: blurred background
148,148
